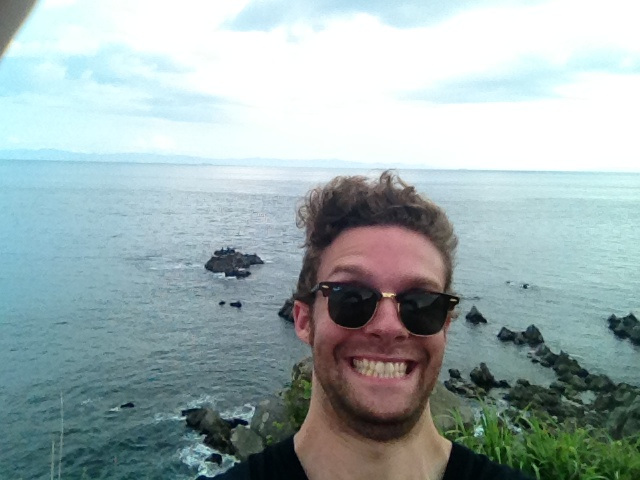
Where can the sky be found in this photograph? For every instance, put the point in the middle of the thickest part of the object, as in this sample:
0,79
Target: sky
482,84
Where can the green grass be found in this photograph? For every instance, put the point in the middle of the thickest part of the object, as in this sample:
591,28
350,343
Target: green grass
547,450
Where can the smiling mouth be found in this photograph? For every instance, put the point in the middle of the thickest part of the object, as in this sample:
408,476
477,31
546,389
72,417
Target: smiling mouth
378,369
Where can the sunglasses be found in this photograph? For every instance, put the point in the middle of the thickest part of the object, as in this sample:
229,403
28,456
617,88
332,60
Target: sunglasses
422,312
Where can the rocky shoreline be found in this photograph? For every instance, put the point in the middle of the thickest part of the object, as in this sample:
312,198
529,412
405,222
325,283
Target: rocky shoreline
577,396
279,416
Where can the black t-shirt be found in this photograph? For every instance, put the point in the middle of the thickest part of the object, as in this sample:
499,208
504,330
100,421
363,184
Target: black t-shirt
280,462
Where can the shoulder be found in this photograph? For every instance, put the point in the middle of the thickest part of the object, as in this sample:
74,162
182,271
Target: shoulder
465,464
237,472
274,462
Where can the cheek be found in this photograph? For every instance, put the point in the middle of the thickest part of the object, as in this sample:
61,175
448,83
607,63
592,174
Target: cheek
435,345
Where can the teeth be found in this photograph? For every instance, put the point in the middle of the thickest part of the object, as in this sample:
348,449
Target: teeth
372,368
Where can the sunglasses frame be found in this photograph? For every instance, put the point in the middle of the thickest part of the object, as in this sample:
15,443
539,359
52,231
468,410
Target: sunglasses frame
326,289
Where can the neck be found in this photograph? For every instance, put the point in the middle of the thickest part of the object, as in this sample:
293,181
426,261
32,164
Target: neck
328,449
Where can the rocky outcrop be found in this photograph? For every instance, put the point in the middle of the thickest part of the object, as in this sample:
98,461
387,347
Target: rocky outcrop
277,417
474,316
458,385
286,311
482,377
442,402
232,263
483,381
617,410
549,400
531,336
210,423
246,442
626,327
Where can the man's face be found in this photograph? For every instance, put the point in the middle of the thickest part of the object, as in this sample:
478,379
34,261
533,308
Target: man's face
390,259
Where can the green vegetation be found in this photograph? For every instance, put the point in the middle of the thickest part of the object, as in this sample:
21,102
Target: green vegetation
296,400
547,450
538,445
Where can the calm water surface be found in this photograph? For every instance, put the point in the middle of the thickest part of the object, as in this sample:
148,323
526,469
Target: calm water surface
104,298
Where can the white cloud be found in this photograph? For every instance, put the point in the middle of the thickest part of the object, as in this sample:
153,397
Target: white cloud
489,84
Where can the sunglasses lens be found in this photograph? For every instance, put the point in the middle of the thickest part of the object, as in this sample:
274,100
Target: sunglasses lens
351,306
423,313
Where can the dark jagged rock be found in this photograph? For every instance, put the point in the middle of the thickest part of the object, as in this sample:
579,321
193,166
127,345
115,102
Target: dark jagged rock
214,458
234,422
506,335
531,336
238,273
286,311
600,383
232,263
525,286
475,317
482,377
525,395
236,304
623,407
503,384
127,405
546,356
565,364
626,327
462,387
519,339
216,429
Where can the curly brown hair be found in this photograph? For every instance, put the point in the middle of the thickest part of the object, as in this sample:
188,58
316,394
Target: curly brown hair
355,201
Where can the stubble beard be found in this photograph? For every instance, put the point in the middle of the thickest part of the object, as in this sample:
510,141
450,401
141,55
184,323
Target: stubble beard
365,422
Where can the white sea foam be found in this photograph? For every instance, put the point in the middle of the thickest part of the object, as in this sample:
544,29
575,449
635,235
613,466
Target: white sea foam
164,417
200,401
195,454
245,412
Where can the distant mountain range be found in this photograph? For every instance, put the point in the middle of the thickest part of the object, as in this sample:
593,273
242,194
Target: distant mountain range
61,155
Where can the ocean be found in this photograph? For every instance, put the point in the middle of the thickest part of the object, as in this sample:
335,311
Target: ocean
104,298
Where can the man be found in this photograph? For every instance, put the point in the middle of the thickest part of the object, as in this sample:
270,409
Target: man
371,302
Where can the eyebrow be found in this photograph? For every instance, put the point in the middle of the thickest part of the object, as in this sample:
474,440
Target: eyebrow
363,273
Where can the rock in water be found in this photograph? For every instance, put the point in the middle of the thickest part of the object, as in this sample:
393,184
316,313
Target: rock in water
506,335
286,311
216,429
214,458
475,317
533,336
482,377
232,263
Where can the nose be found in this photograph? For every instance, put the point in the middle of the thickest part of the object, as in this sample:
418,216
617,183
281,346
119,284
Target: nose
386,320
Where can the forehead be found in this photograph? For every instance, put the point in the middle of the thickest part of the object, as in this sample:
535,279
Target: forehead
386,257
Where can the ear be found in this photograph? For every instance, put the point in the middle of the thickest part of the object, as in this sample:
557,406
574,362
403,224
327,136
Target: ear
302,321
